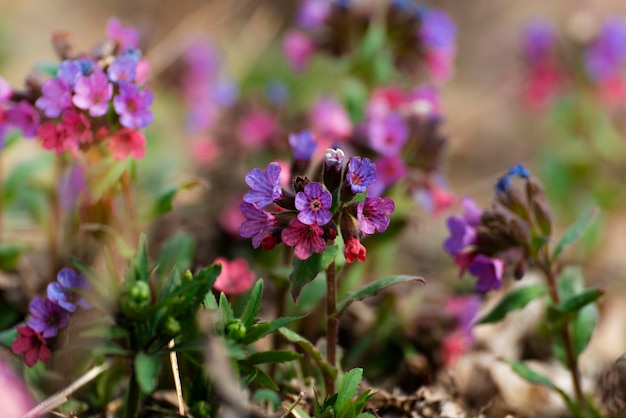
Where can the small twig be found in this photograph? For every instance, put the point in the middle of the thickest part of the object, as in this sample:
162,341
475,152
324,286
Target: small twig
61,397
293,406
176,373
332,325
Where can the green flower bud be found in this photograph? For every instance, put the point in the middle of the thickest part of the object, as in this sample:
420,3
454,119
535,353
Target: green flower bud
187,277
171,326
235,330
135,298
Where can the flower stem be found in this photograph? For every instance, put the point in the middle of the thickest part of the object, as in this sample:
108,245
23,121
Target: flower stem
571,358
332,325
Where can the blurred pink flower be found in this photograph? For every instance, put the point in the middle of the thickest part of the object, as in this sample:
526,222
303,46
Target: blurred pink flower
125,36
330,120
453,346
298,48
127,142
231,217
204,150
257,128
235,277
14,396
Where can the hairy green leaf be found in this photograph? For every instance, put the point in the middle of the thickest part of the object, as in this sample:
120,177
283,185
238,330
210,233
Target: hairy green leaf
349,386
374,287
252,307
304,271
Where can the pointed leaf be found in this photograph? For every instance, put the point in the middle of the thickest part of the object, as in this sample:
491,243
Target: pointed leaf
164,202
259,331
146,371
263,379
574,232
578,301
274,356
374,287
349,385
227,310
515,300
310,349
252,307
304,271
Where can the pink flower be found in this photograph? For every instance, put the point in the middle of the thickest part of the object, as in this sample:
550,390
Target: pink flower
235,277
5,91
330,119
125,36
542,85
231,217
32,345
75,129
25,117
56,97
51,138
127,142
93,93
305,239
257,128
204,150
298,49
453,346
354,250
14,396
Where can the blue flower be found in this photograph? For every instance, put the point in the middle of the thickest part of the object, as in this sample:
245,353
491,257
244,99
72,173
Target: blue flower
313,204
64,290
360,174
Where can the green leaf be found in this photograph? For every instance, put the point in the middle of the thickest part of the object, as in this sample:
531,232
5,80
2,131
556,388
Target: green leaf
10,255
304,271
267,395
176,251
514,300
252,307
164,202
361,401
263,379
583,327
576,302
349,386
146,371
7,336
374,287
226,309
274,356
259,331
574,232
310,349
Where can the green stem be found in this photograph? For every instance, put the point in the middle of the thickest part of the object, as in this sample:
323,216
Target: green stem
332,325
132,401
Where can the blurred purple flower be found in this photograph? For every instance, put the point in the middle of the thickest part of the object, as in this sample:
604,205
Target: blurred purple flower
463,228
64,290
387,136
56,96
70,71
423,101
93,93
32,345
313,13
47,317
303,145
70,186
132,106
257,128
224,92
25,117
438,34
373,214
465,309
124,68
125,36
606,55
389,170
313,204
488,271
265,185
298,48
539,38
257,225
305,239
360,174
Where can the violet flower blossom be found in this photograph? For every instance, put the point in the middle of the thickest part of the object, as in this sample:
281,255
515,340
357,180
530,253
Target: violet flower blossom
25,117
303,145
265,185
606,56
125,36
93,93
64,290
47,317
387,136
56,96
360,174
313,204
373,214
132,106
257,225
488,271
313,13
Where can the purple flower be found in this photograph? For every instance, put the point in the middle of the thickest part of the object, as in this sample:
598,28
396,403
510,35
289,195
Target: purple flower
305,239
64,290
56,97
389,170
47,317
539,39
257,225
70,71
373,214
488,271
313,13
224,92
437,31
298,49
388,135
25,117
124,67
70,186
607,54
465,309
265,185
303,145
463,228
313,204
360,174
132,106
125,36
93,93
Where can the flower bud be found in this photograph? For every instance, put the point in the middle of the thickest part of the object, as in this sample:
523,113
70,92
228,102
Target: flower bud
236,330
298,184
333,161
187,277
171,326
135,298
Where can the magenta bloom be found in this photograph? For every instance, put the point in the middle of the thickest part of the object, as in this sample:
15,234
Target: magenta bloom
539,39
265,185
25,117
64,290
257,225
424,101
488,271
235,277
305,239
75,129
127,142
5,91
313,204
125,36
93,93
605,57
303,145
51,137
388,135
32,345
47,317
257,128
56,97
389,170
132,106
14,395
373,214
313,13
298,49
330,119
360,174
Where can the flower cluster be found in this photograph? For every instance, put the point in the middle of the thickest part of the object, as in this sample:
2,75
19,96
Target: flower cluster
603,56
91,97
511,233
49,315
418,35
307,217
